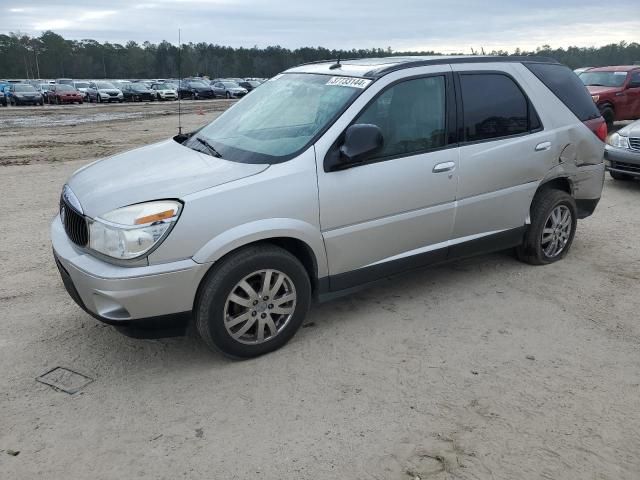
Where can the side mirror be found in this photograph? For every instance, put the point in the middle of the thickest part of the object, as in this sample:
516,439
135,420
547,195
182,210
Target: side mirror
360,140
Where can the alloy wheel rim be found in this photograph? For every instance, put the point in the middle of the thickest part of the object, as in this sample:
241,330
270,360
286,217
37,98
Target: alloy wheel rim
556,231
259,306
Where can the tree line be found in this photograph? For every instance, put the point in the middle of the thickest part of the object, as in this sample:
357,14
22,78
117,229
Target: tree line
52,56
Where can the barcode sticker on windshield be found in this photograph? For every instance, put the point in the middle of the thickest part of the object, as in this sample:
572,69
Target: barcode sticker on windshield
349,82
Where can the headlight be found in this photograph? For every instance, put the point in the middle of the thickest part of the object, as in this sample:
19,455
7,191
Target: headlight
618,141
132,231
595,98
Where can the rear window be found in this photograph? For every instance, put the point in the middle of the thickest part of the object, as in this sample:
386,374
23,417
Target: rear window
567,87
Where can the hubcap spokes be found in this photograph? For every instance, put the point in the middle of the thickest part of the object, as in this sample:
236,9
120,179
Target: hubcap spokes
259,306
556,231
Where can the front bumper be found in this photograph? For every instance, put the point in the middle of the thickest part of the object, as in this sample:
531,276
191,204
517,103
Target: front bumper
622,160
119,295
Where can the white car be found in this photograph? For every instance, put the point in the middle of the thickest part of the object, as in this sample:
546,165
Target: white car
165,91
82,87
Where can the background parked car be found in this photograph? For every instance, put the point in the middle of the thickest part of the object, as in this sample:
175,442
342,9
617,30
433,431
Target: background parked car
622,155
194,89
3,99
63,93
137,92
165,91
228,89
64,81
24,94
45,91
616,91
83,87
249,85
101,91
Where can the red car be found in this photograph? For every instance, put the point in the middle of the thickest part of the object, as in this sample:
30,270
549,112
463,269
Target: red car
616,91
61,93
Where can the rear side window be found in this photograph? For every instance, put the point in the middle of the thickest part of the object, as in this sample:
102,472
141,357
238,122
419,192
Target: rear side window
411,115
493,106
567,87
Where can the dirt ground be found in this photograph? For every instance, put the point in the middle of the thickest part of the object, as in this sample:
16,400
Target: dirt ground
482,369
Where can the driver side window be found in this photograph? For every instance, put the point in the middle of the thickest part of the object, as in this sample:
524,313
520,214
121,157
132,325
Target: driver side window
411,116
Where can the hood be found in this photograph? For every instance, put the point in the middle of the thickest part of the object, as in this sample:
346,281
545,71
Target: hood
594,90
631,130
159,171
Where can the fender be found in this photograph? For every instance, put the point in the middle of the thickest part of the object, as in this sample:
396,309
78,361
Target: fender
258,230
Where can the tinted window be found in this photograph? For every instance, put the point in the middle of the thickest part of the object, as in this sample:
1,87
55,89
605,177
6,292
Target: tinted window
635,78
411,116
567,87
493,106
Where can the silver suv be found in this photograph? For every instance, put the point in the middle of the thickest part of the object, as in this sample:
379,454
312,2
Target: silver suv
329,176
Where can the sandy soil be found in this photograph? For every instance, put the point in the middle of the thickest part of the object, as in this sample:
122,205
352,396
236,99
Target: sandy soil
482,369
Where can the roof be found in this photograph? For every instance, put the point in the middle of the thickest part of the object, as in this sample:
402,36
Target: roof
619,68
378,67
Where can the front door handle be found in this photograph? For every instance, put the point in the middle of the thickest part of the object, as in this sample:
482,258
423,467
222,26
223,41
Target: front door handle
544,146
444,167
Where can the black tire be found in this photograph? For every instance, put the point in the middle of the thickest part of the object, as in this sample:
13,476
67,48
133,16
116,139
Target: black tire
609,115
222,279
620,176
228,96
544,202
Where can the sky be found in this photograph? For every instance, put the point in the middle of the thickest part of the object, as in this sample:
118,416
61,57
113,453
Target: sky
443,26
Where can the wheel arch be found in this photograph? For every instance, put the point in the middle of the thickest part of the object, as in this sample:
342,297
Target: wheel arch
558,183
296,247
299,238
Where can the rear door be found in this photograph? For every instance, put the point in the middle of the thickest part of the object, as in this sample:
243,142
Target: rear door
396,209
504,152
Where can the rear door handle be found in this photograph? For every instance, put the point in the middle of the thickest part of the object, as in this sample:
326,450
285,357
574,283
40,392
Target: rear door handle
444,167
544,146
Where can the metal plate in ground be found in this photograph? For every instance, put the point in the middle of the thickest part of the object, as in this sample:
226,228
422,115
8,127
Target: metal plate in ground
65,380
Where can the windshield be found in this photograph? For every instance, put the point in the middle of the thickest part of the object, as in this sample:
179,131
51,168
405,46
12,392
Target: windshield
164,86
24,88
282,117
603,79
139,87
105,85
197,84
230,84
81,85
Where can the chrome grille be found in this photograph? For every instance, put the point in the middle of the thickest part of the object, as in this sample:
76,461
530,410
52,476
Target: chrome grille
74,224
635,143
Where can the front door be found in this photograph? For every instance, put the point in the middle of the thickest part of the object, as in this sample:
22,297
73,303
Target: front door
396,209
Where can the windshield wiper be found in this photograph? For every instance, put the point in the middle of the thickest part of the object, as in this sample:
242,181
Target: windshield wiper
596,85
212,150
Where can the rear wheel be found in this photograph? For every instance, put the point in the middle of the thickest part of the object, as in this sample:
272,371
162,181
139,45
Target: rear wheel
228,95
553,226
620,176
253,302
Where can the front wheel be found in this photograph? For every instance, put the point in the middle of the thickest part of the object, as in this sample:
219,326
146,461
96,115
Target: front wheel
253,302
620,176
553,226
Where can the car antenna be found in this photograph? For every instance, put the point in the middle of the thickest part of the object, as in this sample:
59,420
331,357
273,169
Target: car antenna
336,65
179,83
